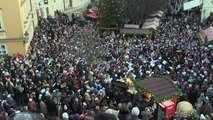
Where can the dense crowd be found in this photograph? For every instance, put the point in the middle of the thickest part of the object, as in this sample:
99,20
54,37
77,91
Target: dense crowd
68,71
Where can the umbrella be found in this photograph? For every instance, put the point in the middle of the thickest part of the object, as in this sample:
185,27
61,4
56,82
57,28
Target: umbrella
26,116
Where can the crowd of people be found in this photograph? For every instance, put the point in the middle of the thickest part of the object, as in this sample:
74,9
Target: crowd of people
69,68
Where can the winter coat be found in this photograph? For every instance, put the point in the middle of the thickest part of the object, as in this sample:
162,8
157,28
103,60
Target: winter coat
134,117
51,107
146,115
43,107
124,116
207,109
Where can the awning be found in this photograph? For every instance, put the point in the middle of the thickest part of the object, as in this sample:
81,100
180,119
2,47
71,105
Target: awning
153,19
134,31
160,88
157,14
92,15
151,23
149,26
207,34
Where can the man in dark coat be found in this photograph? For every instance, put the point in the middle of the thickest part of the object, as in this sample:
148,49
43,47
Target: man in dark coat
104,116
124,113
51,107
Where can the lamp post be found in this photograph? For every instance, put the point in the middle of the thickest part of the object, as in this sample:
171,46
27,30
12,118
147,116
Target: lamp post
26,37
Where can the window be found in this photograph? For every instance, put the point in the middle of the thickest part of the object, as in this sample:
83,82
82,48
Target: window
45,1
70,3
3,49
53,8
57,6
0,26
1,21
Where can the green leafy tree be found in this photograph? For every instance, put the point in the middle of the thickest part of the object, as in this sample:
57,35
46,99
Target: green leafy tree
111,12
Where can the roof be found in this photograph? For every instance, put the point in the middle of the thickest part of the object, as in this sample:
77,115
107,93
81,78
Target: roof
159,14
159,87
206,34
209,33
151,23
153,19
134,31
92,15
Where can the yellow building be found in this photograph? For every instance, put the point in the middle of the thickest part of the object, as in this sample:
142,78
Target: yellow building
18,19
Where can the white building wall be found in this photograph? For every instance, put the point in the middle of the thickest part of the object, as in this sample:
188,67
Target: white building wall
41,9
67,4
78,3
1,21
207,9
50,8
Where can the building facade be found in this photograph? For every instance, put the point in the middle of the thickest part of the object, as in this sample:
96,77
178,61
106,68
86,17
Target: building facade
79,3
206,5
48,7
207,9
18,20
68,4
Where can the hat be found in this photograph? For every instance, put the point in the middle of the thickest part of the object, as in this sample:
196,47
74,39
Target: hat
88,91
82,117
202,117
113,112
30,99
135,111
183,73
207,98
6,74
147,109
65,107
40,96
18,111
96,99
84,104
97,107
65,116
8,96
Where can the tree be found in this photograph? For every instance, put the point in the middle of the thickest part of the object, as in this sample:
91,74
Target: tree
111,12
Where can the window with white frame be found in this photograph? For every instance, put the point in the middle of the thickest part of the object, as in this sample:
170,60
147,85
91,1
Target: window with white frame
1,20
3,49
